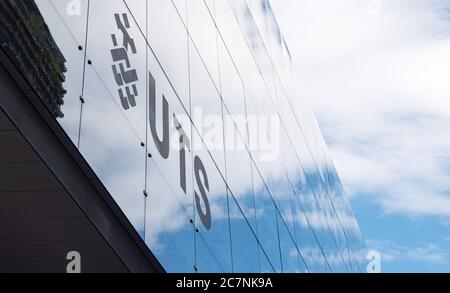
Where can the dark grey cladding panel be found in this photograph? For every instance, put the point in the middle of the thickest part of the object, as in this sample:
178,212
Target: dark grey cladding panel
33,204
26,177
5,124
39,256
15,149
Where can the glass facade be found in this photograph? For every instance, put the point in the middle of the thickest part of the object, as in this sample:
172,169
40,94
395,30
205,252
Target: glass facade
190,114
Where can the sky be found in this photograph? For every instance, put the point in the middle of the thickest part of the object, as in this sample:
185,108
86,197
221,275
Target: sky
376,72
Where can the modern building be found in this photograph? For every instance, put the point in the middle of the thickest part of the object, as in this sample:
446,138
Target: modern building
156,135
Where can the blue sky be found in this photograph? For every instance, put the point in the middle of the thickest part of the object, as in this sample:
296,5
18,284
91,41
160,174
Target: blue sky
376,72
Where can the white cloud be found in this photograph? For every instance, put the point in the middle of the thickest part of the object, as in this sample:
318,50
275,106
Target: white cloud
428,253
379,85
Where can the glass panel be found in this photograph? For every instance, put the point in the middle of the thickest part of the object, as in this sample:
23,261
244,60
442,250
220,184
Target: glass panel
203,34
246,251
181,9
169,40
306,237
292,261
267,225
163,19
207,109
232,34
231,86
170,209
254,43
330,220
56,70
279,187
232,89
113,128
240,182
315,218
213,247
171,241
343,217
